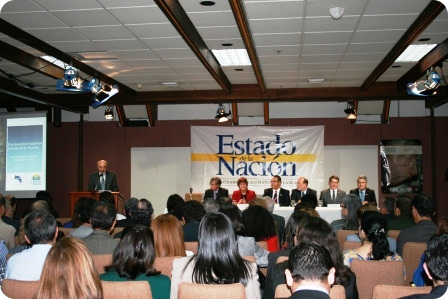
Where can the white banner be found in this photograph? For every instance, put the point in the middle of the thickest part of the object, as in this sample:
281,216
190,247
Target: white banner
257,153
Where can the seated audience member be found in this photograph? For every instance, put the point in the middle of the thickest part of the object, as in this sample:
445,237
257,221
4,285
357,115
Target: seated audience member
69,258
246,245
40,232
217,261
7,231
279,195
75,221
420,279
355,237
215,190
133,259
168,236
102,218
387,207
319,231
130,205
46,196
84,206
260,224
224,200
242,195
210,205
349,207
403,214
3,254
301,190
8,218
436,267
173,201
310,272
107,196
374,244
42,205
293,223
365,194
192,215
22,243
141,215
279,220
423,208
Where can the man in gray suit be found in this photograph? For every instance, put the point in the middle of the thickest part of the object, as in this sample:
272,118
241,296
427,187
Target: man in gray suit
102,219
332,195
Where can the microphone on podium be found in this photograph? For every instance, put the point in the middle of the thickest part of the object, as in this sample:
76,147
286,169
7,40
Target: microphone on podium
191,193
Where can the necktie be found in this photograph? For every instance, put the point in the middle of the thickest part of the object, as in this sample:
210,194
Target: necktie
215,194
301,194
361,195
334,196
102,182
275,196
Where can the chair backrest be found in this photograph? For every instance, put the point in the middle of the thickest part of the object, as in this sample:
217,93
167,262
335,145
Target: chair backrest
282,291
393,233
19,289
412,253
263,244
250,258
101,260
336,292
193,196
126,289
66,230
350,245
211,291
164,264
372,273
191,246
342,235
117,230
282,259
393,292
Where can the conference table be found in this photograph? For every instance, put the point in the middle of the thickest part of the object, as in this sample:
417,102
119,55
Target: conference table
328,213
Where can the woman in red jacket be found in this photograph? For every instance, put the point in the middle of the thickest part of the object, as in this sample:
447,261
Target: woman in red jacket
242,195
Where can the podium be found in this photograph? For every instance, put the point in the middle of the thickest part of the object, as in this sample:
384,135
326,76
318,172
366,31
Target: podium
74,196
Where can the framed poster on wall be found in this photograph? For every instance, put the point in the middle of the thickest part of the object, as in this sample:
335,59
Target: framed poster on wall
401,166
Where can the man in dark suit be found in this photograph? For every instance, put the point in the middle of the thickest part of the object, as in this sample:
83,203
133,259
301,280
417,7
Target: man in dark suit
278,194
365,194
302,189
332,195
215,190
435,268
103,179
310,272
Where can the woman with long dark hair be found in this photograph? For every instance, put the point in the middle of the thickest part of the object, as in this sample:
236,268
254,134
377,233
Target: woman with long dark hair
133,259
374,244
218,260
349,207
260,224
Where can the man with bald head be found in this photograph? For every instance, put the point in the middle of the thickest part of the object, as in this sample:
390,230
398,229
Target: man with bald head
302,189
103,179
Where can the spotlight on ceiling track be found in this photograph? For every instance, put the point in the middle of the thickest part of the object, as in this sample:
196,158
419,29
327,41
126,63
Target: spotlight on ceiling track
350,110
105,93
221,114
72,82
425,87
109,113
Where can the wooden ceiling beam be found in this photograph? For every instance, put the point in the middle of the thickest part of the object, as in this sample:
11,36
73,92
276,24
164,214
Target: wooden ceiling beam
243,26
180,20
235,120
42,46
435,57
152,111
432,10
386,111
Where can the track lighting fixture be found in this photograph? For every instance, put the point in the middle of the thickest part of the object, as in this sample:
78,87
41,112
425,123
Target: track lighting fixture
425,87
350,110
221,114
109,113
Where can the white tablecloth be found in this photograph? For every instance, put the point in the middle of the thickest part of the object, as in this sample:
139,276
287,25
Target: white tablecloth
329,214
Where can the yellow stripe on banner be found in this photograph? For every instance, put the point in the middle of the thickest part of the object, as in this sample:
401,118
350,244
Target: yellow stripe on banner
254,158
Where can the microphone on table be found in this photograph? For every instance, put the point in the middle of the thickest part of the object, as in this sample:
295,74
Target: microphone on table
191,193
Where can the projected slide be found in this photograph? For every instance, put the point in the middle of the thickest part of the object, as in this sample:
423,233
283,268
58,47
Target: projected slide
25,154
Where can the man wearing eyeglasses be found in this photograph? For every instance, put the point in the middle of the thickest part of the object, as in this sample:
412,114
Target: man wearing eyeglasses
279,195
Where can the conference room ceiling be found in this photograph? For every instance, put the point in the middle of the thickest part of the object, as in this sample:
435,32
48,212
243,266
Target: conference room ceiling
144,46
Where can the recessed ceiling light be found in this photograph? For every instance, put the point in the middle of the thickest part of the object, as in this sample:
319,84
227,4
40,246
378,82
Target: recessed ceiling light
395,66
315,81
227,45
232,57
425,39
207,3
414,53
239,70
170,84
